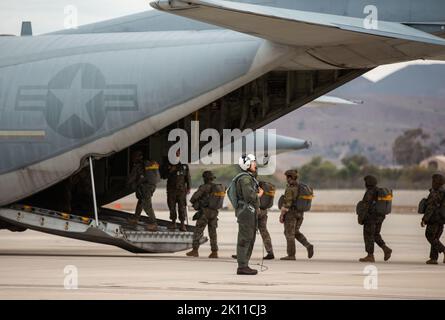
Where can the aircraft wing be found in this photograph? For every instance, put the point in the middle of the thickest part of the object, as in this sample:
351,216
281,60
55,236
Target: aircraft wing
327,101
291,27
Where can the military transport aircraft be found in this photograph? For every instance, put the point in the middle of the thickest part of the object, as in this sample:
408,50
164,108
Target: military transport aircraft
102,90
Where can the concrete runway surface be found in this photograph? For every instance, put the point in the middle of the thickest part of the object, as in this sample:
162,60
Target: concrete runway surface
32,266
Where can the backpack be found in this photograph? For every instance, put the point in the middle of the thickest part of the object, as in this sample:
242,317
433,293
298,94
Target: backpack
280,202
266,201
442,208
303,202
361,212
163,169
216,196
232,194
383,204
151,172
421,209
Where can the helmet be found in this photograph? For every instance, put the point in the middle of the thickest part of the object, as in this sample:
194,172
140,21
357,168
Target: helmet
291,173
245,161
439,178
370,181
137,156
208,175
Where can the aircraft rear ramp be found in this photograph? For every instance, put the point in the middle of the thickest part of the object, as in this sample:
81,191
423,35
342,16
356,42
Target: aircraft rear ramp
112,229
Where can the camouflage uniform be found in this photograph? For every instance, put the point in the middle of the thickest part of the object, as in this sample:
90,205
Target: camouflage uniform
247,217
372,224
262,227
293,220
178,184
144,191
434,222
209,217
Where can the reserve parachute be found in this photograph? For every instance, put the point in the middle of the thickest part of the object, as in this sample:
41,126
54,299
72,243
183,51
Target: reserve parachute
383,204
303,202
216,196
266,201
421,209
151,175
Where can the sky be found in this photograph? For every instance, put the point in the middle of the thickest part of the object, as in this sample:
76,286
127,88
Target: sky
51,15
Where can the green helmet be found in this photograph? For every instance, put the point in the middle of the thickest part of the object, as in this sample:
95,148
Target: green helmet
291,173
137,155
208,175
370,181
439,178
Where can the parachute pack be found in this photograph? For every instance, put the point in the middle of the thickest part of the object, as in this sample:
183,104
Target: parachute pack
303,202
383,204
266,201
361,212
231,191
151,175
442,207
421,209
216,197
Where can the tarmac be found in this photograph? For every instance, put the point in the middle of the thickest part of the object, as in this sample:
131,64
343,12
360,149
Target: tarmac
38,266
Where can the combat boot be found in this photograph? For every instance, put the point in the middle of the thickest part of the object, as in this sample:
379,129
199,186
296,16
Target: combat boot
193,253
387,251
432,261
310,251
246,271
288,258
214,255
172,226
368,258
182,227
153,227
269,256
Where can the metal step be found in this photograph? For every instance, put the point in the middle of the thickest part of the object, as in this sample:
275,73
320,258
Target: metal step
112,233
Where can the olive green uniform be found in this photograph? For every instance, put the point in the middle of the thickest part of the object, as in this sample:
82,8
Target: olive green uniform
293,220
372,223
144,191
178,183
208,218
434,222
247,217
262,227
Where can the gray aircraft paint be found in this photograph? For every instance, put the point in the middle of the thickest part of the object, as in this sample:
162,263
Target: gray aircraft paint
132,84
108,99
126,128
394,10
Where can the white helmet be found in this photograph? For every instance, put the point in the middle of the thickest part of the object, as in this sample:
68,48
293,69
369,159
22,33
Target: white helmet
245,161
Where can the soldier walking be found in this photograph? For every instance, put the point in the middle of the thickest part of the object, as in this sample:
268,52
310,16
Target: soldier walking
433,219
372,222
292,218
143,178
207,217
